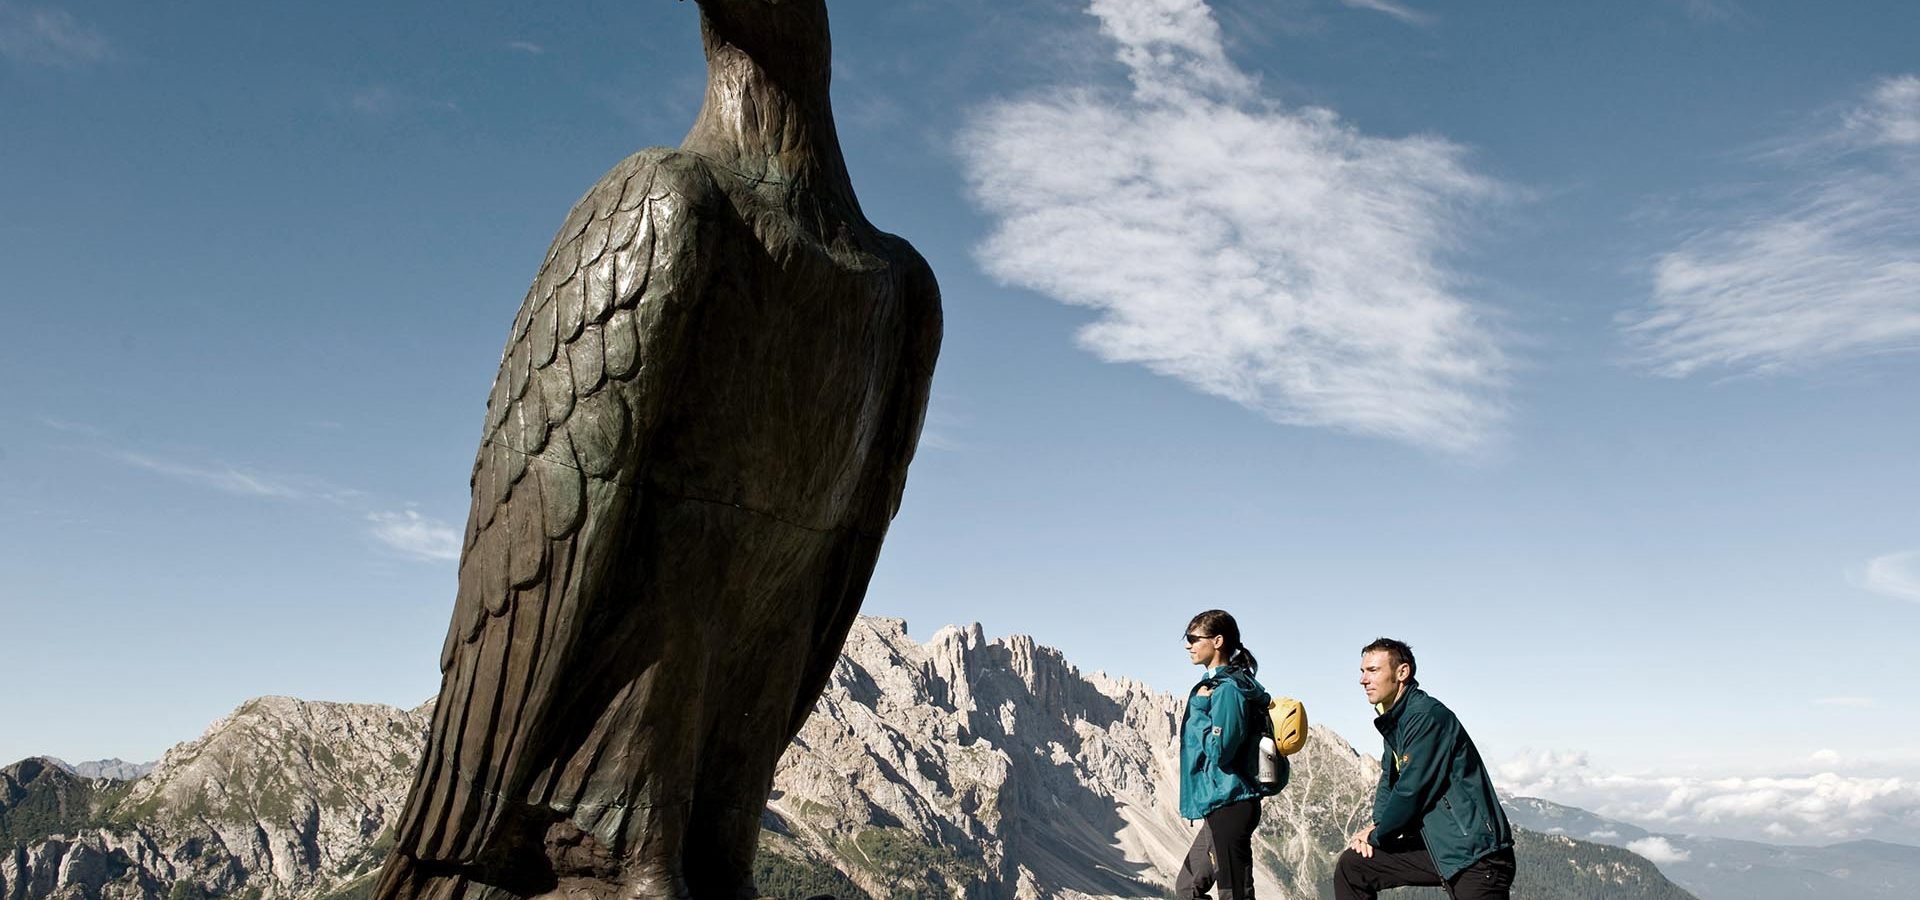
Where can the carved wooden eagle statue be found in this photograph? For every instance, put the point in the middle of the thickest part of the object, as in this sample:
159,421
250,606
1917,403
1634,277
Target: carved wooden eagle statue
698,436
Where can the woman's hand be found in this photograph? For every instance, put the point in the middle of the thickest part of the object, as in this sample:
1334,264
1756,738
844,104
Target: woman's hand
1205,692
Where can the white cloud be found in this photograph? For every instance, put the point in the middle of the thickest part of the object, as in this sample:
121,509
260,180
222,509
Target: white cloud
1658,850
80,428
406,531
1891,118
1823,266
221,478
1823,807
1399,11
527,47
1895,575
1539,772
1277,258
48,37
1826,757
944,424
416,535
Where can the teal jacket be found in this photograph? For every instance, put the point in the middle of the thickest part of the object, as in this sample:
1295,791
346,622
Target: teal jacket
1220,742
1432,781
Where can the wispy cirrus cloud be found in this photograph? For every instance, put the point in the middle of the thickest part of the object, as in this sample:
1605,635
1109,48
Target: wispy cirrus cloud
406,531
417,536
1891,117
1400,11
1822,266
945,422
71,427
228,479
1275,257
528,47
1893,574
39,36
1818,808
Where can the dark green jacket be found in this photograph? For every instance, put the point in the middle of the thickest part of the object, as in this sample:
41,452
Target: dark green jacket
1432,781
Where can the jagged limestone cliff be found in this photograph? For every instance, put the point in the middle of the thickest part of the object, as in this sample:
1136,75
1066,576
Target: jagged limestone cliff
962,767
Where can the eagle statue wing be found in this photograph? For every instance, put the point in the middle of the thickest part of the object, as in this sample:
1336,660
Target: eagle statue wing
858,553
582,383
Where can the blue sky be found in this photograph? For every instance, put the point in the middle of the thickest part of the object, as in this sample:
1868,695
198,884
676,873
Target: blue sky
1573,343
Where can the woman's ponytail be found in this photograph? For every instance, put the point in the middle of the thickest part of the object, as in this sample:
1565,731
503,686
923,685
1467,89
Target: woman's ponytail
1243,658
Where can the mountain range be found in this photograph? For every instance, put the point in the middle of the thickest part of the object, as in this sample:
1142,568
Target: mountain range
963,767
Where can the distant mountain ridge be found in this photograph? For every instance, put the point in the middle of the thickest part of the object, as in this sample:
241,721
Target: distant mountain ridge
116,768
963,767
1723,869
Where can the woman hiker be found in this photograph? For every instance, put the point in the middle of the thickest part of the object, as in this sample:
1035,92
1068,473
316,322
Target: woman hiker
1219,760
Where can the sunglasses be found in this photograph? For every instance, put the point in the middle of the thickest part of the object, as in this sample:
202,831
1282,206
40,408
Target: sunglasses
1191,639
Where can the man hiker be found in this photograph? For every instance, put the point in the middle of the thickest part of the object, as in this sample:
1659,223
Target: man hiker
1436,820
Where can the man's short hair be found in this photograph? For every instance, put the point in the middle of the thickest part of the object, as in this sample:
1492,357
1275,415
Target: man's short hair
1397,652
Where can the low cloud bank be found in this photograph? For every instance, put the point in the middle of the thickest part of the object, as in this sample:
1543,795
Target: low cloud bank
1812,809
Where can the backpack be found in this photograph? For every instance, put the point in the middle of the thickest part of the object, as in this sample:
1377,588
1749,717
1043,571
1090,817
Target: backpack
1282,726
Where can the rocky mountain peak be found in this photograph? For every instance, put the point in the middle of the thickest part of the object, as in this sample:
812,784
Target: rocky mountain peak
36,793
277,759
15,778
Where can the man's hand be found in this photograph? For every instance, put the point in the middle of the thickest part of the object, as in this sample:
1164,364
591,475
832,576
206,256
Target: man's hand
1358,843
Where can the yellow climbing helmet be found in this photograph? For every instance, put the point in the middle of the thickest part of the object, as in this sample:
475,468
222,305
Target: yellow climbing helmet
1289,724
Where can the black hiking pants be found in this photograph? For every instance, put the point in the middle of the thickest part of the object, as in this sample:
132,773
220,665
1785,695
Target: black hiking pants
1357,877
1222,853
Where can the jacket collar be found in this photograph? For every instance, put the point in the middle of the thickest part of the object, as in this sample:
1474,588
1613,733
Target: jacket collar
1386,721
1216,675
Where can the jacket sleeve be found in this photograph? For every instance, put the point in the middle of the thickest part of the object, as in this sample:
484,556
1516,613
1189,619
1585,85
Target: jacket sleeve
1230,730
1412,793
1386,780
